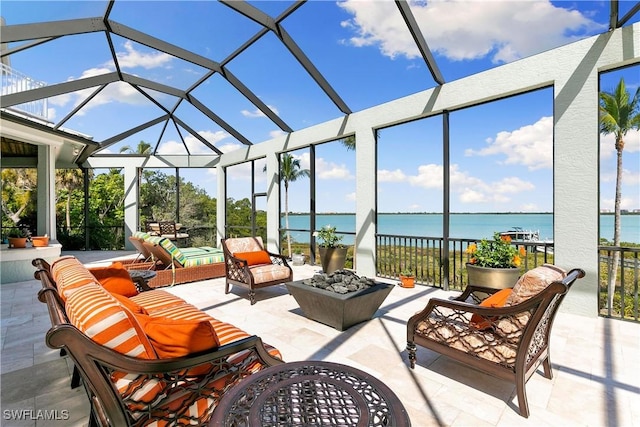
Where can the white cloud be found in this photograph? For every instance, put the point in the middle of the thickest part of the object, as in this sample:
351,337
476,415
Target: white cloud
470,189
193,144
350,197
324,169
463,30
391,176
118,91
257,112
531,145
132,58
608,144
276,133
625,203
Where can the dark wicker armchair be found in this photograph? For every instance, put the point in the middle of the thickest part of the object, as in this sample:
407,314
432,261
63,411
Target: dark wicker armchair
511,343
249,265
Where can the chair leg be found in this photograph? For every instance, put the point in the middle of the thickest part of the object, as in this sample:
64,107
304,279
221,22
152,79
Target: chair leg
411,350
252,297
75,378
522,396
227,288
546,364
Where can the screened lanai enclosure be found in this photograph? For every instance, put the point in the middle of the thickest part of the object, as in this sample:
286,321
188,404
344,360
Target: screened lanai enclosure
117,113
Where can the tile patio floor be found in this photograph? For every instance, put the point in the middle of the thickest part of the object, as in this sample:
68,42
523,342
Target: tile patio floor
596,361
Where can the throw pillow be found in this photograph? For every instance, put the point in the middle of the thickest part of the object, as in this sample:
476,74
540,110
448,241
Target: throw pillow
533,282
115,279
177,337
498,299
254,258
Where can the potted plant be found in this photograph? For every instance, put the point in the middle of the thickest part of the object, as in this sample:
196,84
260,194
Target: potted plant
298,257
18,237
407,278
333,254
494,263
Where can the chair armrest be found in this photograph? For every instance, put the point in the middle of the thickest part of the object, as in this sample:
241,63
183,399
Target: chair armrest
477,293
278,259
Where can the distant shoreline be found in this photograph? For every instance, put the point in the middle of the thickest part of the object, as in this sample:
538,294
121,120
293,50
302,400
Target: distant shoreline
452,213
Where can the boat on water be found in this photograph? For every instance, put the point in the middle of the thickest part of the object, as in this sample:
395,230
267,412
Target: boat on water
518,233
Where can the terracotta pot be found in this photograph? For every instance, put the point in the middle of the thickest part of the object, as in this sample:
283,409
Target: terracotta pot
407,281
489,277
39,241
17,242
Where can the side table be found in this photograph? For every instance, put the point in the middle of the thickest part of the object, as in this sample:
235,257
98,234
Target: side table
310,393
141,278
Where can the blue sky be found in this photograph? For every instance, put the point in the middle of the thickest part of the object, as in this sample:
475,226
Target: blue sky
501,152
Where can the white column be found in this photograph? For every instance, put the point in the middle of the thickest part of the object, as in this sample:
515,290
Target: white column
273,203
46,192
365,251
130,203
575,177
221,205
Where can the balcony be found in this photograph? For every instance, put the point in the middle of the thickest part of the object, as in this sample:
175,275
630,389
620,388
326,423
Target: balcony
594,360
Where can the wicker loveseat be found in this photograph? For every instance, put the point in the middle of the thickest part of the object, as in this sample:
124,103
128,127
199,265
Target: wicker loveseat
147,358
507,337
249,265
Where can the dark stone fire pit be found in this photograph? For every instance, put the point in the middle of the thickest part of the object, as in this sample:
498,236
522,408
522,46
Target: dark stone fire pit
340,299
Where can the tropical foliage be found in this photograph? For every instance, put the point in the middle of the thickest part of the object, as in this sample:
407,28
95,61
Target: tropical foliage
619,113
290,171
327,237
496,253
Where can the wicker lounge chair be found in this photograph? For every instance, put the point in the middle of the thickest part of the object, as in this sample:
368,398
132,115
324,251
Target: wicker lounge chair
182,265
249,265
143,253
508,341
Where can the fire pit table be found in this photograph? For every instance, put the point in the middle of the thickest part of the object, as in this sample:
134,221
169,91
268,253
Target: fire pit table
310,393
358,302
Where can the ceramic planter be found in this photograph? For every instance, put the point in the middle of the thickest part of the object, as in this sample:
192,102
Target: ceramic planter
17,242
407,281
489,277
297,259
332,259
39,241
339,311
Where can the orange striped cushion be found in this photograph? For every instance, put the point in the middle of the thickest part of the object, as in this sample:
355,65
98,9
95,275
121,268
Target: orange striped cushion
157,299
69,274
103,319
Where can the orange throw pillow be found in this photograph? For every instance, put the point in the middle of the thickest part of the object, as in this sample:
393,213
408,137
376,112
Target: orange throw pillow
115,279
496,300
178,337
254,258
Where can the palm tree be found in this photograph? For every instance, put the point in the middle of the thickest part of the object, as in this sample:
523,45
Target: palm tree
69,180
289,172
349,143
618,115
142,148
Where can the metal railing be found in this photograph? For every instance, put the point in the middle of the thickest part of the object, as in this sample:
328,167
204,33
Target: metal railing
625,300
14,82
426,258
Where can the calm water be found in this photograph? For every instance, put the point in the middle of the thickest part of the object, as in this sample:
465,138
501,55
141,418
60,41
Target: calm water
472,226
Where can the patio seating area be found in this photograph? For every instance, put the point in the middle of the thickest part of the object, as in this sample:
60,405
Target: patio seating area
594,359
